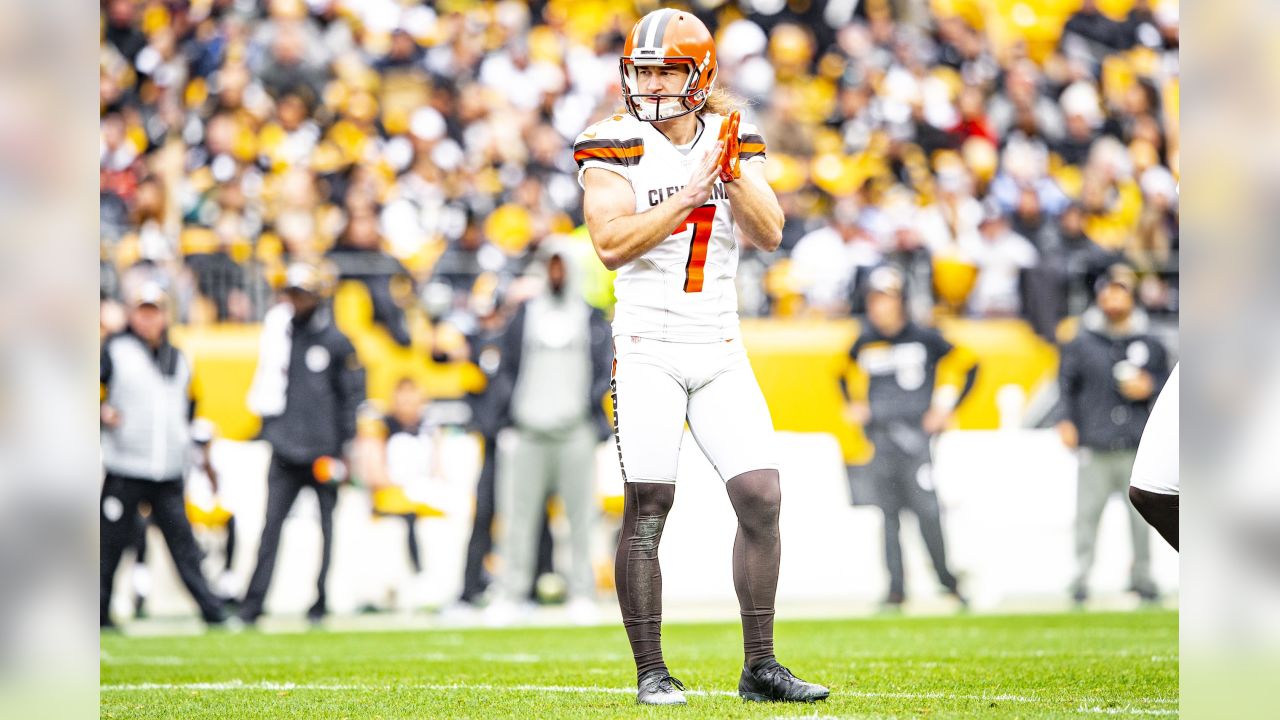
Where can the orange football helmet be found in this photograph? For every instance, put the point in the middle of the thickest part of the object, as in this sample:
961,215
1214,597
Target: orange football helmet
668,37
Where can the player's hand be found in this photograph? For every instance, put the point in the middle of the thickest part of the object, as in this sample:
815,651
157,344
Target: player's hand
109,416
1070,436
1139,387
704,177
857,413
730,163
936,420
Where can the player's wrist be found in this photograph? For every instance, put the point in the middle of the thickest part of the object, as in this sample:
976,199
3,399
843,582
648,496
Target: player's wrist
685,201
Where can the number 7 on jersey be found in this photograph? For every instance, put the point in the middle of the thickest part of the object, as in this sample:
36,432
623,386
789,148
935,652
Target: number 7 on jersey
699,222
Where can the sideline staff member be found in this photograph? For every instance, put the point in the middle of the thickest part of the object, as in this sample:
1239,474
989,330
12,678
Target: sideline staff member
903,408
146,443
307,388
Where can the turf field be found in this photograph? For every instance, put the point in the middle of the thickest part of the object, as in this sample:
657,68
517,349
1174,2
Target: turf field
989,666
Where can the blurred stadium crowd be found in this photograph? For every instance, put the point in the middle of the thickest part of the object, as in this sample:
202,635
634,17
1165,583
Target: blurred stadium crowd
1003,152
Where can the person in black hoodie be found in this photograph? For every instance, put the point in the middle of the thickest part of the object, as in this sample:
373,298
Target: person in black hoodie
1109,376
490,414
307,388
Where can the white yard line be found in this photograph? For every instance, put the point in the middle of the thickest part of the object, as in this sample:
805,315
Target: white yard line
874,659
1126,711
237,685
517,658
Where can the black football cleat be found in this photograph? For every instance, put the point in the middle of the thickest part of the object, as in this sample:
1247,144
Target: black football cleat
772,682
657,687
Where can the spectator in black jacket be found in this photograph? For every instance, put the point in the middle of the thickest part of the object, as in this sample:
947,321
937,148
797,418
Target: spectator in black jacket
358,256
1109,376
221,279
490,413
307,388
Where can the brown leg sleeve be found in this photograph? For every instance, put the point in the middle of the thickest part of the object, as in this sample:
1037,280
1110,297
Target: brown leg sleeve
637,573
756,498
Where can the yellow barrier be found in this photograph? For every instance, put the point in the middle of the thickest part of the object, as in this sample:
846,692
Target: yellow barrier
223,358
798,364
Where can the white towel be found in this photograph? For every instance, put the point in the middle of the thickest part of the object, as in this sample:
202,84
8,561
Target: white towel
271,378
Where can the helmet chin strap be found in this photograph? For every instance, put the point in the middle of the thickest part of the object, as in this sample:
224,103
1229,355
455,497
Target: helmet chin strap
657,112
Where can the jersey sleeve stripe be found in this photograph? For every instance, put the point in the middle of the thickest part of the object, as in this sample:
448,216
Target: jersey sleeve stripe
617,152
612,144
750,146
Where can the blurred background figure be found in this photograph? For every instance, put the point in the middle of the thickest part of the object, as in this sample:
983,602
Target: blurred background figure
214,522
557,359
1109,377
358,255
902,406
827,260
399,459
1001,255
490,408
146,410
307,388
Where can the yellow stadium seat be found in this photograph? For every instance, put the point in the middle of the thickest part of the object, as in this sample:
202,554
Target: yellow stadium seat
392,500
953,279
213,518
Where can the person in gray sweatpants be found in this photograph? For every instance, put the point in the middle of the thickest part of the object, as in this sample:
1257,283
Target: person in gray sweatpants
1109,375
557,352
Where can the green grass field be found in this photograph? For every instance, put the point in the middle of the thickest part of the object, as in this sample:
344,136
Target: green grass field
992,666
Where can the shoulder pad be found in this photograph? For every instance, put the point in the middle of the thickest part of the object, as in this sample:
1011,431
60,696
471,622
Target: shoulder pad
613,140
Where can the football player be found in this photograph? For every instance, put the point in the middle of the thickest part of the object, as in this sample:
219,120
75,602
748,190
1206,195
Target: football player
1154,487
666,182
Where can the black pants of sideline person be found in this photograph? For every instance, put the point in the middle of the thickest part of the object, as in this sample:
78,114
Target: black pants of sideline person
480,545
118,514
284,481
904,481
474,580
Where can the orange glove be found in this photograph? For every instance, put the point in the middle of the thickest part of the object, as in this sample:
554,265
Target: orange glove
730,166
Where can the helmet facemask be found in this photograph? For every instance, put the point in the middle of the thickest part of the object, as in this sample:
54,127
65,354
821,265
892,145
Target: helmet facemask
691,98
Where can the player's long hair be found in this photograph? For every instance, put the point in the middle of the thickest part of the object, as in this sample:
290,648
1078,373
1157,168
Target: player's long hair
722,102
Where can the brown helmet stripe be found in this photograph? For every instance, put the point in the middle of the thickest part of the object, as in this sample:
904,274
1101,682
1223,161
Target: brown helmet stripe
644,29
662,27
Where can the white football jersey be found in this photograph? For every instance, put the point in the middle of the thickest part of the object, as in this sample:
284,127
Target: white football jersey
682,290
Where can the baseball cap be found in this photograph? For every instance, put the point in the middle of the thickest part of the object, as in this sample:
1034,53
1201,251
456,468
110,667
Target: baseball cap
304,277
991,211
150,293
886,279
1117,274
